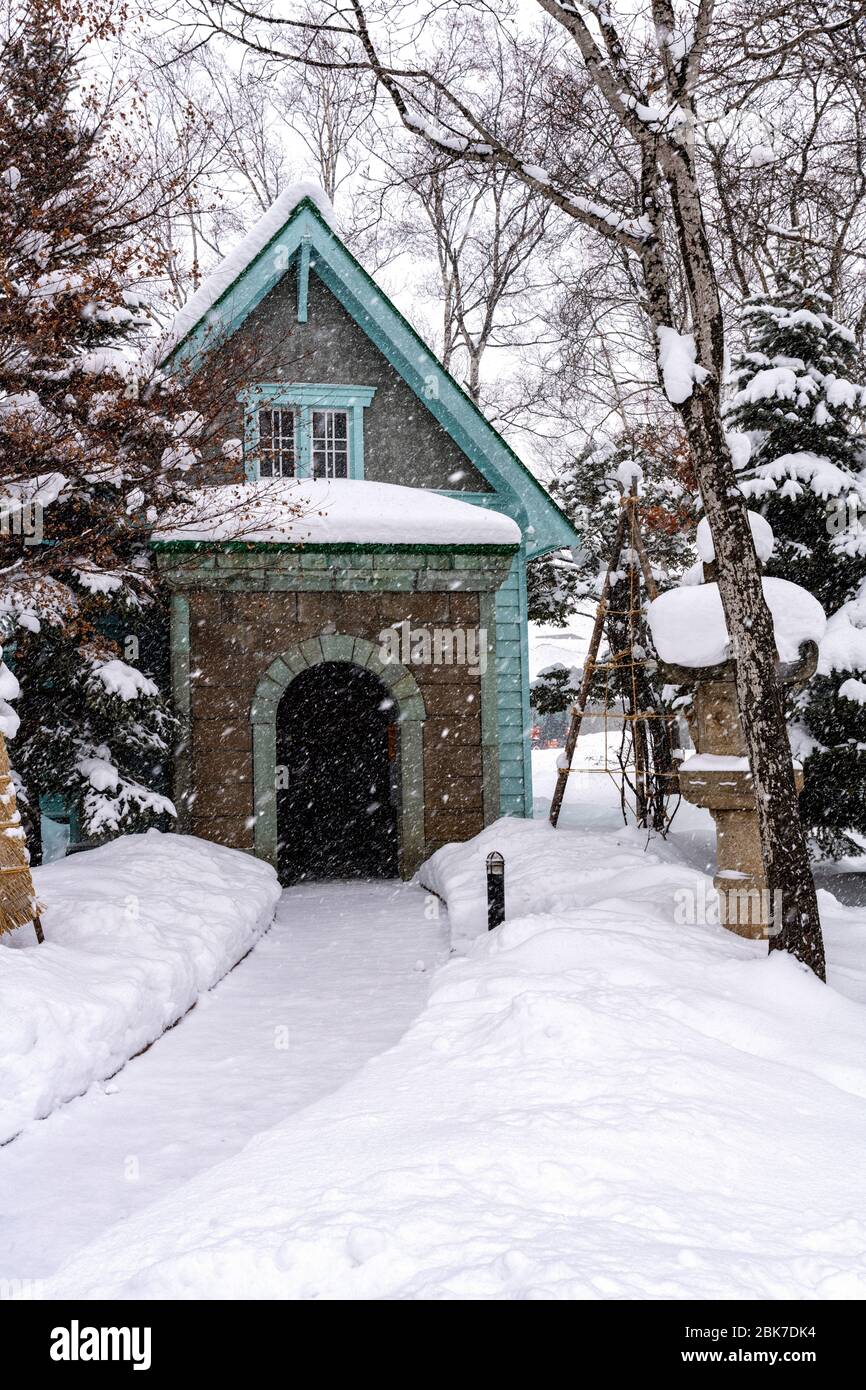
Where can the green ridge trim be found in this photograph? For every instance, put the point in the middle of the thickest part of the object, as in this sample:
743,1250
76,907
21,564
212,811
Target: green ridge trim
347,547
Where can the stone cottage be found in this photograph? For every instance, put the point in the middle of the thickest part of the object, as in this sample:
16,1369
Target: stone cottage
349,628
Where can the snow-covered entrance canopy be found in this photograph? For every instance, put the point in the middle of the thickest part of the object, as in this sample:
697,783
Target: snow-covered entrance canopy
334,511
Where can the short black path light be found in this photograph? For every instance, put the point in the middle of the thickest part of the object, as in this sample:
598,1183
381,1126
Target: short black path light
495,890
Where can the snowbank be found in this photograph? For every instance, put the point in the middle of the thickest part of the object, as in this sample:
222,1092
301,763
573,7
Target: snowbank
334,511
134,932
688,625
596,1103
539,876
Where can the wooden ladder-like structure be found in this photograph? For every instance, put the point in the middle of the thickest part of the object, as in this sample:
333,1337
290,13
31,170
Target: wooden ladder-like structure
628,534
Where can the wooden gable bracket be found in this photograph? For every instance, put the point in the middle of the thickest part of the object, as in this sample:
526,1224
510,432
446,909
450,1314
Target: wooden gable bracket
303,279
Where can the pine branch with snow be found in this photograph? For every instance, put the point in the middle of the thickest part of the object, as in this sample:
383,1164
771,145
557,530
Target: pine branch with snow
92,448
799,404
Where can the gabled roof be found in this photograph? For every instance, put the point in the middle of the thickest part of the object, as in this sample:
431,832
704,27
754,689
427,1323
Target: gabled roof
297,230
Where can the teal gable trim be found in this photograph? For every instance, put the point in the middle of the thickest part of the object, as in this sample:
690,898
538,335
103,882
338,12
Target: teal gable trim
512,692
544,526
322,395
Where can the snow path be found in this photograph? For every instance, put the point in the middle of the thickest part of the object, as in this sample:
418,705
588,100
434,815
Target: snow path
336,980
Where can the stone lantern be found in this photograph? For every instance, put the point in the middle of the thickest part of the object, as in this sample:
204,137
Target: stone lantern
688,626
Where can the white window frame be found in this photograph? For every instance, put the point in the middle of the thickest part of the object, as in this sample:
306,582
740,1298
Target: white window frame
328,443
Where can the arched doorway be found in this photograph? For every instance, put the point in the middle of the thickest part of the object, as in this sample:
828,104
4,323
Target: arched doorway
337,782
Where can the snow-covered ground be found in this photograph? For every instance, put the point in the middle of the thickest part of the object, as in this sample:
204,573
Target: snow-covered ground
336,979
595,1103
135,932
558,646
599,1100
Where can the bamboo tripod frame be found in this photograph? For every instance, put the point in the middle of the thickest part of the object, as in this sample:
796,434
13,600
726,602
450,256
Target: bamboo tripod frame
624,660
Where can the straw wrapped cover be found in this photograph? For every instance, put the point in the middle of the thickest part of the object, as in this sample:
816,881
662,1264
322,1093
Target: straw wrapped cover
18,906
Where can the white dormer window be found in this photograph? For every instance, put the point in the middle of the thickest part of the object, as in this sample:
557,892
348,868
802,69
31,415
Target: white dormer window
304,431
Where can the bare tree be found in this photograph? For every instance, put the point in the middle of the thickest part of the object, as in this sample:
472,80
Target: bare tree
174,131
804,188
327,108
489,241
488,244
238,133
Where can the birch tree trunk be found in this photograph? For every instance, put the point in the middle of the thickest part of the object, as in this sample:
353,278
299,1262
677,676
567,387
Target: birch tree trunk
750,625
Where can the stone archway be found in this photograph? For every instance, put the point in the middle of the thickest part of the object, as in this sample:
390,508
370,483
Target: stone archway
403,689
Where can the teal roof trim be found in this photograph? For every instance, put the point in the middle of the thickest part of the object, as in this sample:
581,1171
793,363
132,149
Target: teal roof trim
545,527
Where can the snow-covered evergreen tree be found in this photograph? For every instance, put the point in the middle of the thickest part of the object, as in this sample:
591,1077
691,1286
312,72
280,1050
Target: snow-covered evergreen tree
554,585
800,403
87,452
589,492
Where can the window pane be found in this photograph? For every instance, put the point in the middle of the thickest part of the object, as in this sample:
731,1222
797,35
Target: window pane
276,443
330,443
266,443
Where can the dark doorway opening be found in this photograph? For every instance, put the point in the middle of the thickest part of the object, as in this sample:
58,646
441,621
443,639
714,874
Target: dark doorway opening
336,776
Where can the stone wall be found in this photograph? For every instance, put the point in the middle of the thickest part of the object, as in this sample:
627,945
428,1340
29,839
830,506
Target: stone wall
233,638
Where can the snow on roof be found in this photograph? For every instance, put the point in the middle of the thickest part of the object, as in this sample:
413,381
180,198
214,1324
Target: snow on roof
333,511
688,625
237,260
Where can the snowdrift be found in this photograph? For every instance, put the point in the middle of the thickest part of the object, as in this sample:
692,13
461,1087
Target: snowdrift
134,932
541,874
596,1103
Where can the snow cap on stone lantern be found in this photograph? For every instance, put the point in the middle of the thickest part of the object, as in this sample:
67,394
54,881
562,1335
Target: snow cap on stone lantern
762,535
688,623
